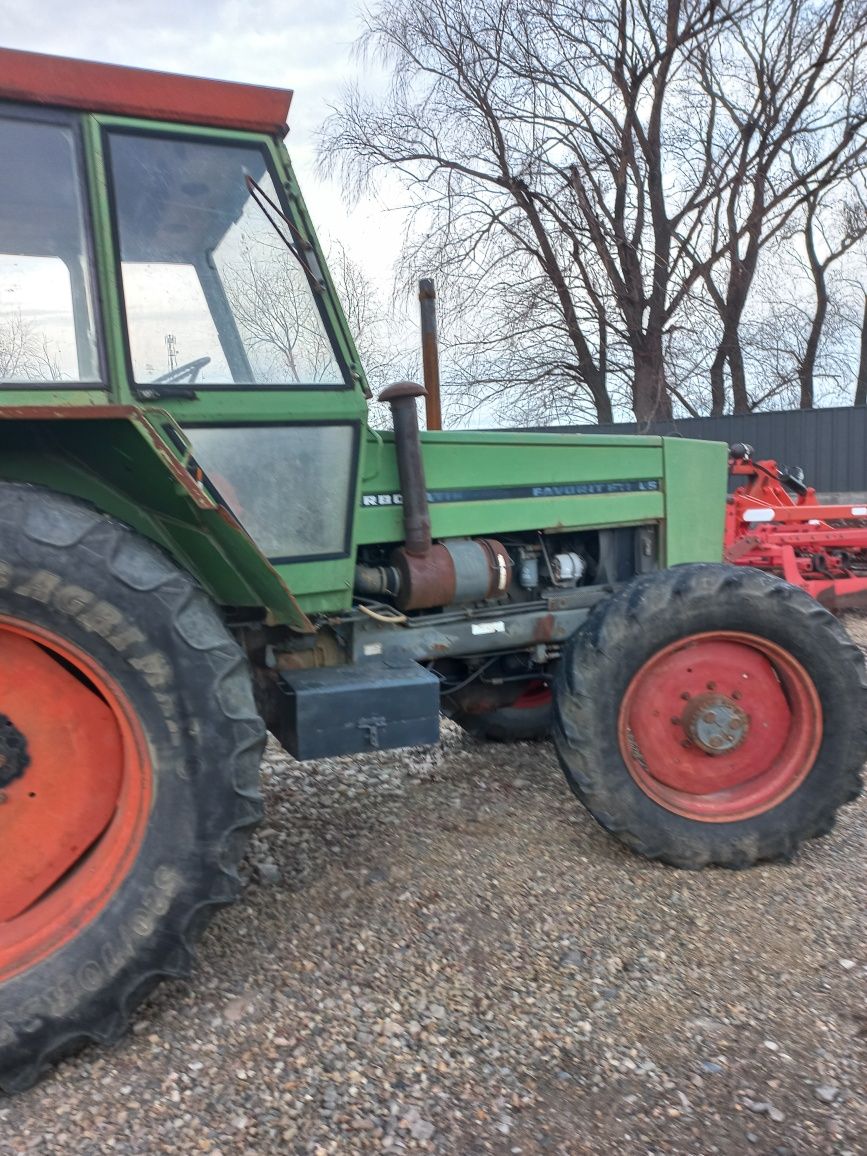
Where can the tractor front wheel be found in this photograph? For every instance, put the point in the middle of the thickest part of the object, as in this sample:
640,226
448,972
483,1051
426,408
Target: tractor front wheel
712,714
129,753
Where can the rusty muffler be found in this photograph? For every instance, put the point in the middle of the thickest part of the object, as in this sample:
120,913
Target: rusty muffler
456,570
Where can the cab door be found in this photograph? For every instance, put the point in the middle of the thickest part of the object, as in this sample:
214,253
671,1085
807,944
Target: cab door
229,323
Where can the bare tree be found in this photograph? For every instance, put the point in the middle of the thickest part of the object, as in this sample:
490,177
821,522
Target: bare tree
384,357
25,354
825,246
280,322
276,315
861,384
786,84
555,137
595,183
15,349
510,356
796,334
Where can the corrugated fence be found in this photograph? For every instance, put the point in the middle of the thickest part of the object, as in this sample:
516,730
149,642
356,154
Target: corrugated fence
829,444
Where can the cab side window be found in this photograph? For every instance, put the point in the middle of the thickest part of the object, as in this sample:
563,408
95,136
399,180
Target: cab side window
47,331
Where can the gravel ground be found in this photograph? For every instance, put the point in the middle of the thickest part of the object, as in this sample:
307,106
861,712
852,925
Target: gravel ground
441,952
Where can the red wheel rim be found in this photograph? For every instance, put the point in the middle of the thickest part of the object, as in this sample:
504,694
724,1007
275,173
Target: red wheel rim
537,694
720,726
73,819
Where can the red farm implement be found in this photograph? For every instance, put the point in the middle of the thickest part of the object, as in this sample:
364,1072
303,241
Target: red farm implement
774,522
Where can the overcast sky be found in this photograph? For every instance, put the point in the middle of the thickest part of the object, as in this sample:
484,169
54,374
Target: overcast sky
305,45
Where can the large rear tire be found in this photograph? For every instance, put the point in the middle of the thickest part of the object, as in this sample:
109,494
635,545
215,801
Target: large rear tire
526,719
712,714
129,755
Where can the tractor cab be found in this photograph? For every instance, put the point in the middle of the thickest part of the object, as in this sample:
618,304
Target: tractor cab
218,285
155,252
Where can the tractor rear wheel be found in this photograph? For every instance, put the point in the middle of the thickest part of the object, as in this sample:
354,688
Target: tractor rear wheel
712,714
527,718
129,754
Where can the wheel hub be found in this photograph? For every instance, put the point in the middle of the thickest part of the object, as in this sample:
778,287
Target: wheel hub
715,723
14,755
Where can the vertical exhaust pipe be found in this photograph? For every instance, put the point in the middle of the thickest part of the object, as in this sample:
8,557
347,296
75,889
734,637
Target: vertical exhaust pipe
410,465
430,357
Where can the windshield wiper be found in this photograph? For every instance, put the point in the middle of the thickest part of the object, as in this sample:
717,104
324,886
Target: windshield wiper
264,203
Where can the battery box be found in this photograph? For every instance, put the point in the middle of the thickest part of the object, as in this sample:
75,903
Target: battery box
351,709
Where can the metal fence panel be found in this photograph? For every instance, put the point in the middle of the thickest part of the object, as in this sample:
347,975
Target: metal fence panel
829,444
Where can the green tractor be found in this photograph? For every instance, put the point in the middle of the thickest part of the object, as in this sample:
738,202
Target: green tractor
201,538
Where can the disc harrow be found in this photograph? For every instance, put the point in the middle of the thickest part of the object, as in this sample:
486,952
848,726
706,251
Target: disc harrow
775,522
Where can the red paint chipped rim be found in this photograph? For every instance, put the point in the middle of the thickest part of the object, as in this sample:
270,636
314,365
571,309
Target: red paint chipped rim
102,764
769,761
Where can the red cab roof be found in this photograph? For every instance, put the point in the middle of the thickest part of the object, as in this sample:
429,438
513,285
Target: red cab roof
57,80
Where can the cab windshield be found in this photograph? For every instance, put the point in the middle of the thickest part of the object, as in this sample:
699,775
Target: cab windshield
213,295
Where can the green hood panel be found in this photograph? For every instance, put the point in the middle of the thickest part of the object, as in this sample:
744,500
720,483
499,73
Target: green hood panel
497,483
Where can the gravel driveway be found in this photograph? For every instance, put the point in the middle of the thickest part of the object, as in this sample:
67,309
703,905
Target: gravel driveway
441,952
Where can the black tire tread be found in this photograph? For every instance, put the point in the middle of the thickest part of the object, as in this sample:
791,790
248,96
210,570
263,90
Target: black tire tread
597,652
53,519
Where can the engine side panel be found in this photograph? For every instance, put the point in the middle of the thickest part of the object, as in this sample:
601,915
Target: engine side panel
497,483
